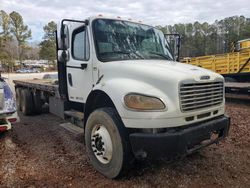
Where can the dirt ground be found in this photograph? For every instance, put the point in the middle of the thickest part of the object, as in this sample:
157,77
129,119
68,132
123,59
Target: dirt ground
38,152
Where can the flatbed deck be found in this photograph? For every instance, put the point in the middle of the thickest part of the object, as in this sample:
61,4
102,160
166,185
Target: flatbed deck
39,84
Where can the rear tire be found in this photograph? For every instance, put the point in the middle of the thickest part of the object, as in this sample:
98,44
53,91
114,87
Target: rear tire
37,102
27,104
18,99
105,126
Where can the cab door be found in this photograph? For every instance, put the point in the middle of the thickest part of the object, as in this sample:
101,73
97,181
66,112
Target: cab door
79,66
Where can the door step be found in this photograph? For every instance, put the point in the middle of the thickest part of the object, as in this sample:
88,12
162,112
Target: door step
72,128
74,117
75,114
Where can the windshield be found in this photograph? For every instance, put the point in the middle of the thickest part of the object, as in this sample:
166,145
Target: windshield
123,40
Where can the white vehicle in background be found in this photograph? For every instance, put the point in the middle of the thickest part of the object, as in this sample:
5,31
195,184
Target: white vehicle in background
50,76
122,83
8,114
22,71
27,70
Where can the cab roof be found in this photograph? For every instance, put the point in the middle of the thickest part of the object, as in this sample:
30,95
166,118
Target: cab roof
92,18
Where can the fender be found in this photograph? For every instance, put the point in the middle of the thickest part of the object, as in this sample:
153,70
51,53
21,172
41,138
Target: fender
117,88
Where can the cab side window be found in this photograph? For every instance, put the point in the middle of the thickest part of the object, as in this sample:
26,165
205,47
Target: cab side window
80,44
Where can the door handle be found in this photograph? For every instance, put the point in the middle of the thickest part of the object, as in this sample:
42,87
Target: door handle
70,79
84,66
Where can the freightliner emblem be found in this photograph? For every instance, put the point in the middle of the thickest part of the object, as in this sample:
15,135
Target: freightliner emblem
205,77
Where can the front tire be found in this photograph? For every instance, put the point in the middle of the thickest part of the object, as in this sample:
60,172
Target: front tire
107,142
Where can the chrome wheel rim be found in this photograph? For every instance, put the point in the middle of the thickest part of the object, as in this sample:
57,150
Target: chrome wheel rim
101,144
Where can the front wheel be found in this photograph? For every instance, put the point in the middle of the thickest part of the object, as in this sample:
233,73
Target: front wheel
107,143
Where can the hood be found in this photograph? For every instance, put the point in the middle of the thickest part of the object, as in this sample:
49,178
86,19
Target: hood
157,69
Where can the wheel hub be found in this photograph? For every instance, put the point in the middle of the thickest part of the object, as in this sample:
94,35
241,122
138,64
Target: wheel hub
101,144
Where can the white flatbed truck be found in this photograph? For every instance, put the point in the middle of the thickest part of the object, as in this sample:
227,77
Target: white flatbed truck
121,82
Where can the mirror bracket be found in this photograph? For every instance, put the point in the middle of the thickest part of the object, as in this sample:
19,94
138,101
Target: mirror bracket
178,45
64,32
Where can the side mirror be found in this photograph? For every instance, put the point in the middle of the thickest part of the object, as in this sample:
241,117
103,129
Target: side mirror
174,41
62,55
63,37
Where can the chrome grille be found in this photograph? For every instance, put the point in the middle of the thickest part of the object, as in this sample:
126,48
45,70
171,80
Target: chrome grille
195,96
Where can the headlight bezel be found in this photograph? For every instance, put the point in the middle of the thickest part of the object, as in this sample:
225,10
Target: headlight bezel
144,109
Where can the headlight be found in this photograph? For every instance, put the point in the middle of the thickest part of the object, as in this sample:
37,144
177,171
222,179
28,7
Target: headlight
142,102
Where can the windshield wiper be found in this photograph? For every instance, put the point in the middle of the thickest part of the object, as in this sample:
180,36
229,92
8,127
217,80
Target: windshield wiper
137,54
121,52
129,53
162,55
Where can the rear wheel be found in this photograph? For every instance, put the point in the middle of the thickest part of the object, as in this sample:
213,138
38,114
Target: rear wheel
27,104
18,98
107,143
37,102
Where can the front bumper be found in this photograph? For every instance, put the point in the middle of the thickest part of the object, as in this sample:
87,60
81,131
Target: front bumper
180,141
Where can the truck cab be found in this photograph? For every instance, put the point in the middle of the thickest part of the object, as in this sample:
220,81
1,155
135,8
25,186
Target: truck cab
138,100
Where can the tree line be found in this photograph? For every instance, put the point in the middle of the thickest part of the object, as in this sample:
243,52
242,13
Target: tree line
14,36
205,39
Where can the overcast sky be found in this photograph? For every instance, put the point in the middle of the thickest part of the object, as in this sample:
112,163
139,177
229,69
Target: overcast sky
37,13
